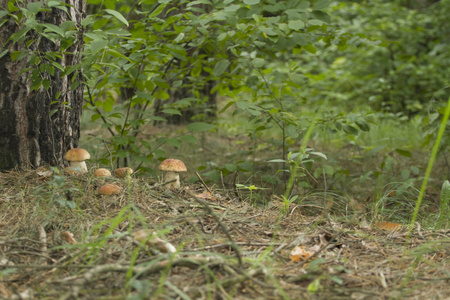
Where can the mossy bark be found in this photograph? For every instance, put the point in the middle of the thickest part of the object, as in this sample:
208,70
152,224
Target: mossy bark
38,126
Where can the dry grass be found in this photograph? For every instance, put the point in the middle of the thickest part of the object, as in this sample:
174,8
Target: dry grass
227,249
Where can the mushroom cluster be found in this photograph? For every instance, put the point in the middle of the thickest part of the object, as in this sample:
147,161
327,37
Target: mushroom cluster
172,168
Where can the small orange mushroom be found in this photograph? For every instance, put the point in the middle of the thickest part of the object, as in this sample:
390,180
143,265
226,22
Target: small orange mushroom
123,172
110,189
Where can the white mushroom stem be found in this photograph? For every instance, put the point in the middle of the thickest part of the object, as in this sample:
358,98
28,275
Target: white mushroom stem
173,176
79,164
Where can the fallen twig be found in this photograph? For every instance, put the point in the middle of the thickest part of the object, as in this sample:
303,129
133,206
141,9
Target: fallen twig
231,281
203,183
43,240
139,270
224,229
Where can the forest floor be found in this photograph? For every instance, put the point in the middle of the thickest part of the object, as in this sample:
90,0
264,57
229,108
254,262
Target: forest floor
60,239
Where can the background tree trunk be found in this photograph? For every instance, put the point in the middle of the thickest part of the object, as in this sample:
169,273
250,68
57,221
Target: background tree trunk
38,126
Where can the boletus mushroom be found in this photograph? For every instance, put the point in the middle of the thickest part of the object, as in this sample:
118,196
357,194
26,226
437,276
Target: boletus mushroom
77,157
110,189
172,168
102,172
123,172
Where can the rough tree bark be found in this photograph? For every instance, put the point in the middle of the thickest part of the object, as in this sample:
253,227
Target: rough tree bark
38,127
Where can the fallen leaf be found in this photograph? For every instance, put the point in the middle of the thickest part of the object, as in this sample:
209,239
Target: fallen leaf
44,173
299,253
388,226
391,194
68,237
207,196
364,224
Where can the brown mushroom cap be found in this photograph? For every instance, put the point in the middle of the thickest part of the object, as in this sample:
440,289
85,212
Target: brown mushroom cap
77,154
123,172
172,165
102,172
110,189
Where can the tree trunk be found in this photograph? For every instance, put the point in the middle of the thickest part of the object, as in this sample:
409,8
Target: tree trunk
37,126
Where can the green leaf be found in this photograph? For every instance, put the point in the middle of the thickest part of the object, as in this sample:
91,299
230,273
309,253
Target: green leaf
228,105
36,83
251,2
34,7
314,286
20,34
322,4
296,25
54,28
171,111
3,53
321,16
299,79
66,203
232,167
98,45
158,10
258,62
118,54
3,13
278,160
318,154
174,142
363,125
403,152
310,48
445,192
300,39
118,15
56,4
268,31
11,6
220,67
232,8
46,84
179,38
196,70
200,126
188,138
350,129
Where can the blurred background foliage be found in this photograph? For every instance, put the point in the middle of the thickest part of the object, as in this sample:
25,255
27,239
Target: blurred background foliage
370,75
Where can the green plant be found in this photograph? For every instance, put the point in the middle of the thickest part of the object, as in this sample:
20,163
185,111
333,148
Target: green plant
434,152
396,202
250,188
297,162
56,192
444,209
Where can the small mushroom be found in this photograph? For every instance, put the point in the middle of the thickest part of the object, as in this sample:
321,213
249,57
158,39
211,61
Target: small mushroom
110,189
102,172
123,172
76,157
148,238
68,237
172,167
